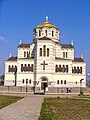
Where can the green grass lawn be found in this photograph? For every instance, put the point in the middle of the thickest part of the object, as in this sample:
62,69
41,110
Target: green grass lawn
7,100
65,109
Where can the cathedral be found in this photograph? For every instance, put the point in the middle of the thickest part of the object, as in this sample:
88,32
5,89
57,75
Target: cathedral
45,64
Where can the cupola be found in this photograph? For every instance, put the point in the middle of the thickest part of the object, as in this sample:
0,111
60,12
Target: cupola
47,29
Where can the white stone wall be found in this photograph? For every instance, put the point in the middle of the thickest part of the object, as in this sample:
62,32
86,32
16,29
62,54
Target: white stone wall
9,77
55,36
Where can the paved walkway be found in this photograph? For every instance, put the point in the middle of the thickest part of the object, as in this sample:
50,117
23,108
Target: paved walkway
25,109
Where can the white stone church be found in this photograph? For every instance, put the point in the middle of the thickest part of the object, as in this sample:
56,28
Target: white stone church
45,63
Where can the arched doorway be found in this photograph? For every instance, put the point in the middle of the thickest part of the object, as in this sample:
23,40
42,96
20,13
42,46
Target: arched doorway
44,83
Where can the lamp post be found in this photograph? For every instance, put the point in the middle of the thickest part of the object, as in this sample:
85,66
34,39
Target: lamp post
81,91
15,73
88,83
26,85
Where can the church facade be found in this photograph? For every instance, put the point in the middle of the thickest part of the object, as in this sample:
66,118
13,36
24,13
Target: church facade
45,64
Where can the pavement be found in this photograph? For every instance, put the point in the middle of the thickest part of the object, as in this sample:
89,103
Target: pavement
27,108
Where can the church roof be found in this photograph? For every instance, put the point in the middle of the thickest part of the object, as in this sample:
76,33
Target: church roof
59,58
12,58
75,59
67,46
44,38
78,60
46,24
24,45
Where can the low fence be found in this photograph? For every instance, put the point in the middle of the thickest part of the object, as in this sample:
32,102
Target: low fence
55,90
15,89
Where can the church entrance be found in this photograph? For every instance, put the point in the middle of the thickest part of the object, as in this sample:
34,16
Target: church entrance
44,84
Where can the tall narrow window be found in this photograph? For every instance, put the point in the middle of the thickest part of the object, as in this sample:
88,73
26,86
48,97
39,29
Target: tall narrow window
40,51
46,32
63,70
56,68
61,81
29,53
26,81
60,69
12,69
28,68
81,70
44,50
57,81
25,68
63,54
47,51
66,55
66,68
64,81
39,32
9,68
21,67
31,67
72,70
77,70
52,33
23,81
24,54
30,81
15,69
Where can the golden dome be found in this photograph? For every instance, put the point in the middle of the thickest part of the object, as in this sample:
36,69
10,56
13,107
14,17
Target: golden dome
46,24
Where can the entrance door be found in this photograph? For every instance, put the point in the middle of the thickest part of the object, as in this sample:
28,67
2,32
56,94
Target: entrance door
44,83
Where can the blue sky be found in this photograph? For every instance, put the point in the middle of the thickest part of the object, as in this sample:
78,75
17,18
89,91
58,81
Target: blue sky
19,17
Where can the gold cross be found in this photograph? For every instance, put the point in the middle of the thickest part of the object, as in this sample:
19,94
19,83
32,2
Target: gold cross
44,65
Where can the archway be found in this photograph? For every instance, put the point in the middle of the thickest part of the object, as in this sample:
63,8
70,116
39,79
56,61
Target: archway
44,83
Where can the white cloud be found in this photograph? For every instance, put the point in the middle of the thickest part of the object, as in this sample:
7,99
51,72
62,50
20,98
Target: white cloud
2,38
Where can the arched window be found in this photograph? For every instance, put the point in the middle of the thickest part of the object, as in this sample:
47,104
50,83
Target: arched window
30,81
44,50
12,69
47,51
56,68
24,54
63,70
46,32
25,68
66,55
57,81
9,68
60,69
26,81
77,70
66,68
61,81
31,67
39,32
40,51
52,33
29,53
15,68
21,67
63,54
64,81
23,81
81,70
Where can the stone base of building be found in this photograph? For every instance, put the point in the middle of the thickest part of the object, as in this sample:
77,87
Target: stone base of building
49,90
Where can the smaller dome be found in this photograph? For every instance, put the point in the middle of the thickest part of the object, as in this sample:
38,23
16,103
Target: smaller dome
46,24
